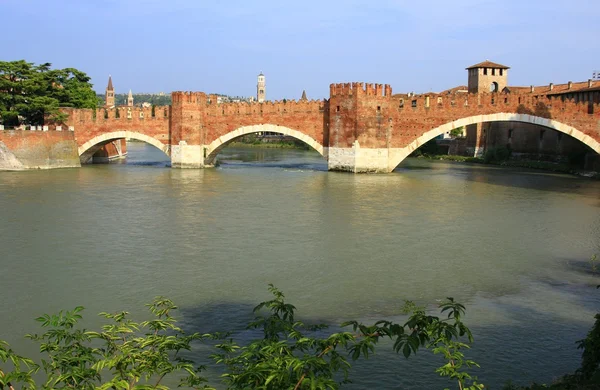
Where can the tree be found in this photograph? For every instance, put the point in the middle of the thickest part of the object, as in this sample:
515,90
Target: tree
32,94
294,355
458,132
124,355
128,355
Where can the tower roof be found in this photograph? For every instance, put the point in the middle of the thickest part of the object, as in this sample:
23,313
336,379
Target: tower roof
488,64
130,96
303,95
110,86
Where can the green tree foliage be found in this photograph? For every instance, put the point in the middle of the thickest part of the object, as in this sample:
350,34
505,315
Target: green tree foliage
294,355
458,132
32,93
128,355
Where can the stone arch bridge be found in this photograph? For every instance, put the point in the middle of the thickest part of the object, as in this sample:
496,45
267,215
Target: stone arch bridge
360,128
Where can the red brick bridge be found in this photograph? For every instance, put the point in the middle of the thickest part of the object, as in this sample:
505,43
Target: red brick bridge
360,128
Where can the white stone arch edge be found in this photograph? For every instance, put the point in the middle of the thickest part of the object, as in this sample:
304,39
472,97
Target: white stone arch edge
214,147
123,134
400,154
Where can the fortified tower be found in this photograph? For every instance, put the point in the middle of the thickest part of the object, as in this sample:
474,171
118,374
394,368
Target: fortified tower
360,127
484,77
130,99
261,90
187,128
110,94
487,76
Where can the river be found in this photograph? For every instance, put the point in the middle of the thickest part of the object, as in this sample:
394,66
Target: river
513,245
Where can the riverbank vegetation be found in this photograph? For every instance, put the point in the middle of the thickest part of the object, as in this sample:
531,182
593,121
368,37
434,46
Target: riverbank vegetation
287,354
503,156
271,141
31,94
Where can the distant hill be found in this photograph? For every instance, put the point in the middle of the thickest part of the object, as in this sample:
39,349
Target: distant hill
162,99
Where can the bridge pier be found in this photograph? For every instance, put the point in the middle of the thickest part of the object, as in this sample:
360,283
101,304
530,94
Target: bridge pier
188,156
476,139
359,160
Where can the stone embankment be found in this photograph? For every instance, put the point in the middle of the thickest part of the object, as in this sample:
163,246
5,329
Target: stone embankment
37,148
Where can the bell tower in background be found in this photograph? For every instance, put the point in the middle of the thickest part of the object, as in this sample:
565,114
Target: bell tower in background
261,90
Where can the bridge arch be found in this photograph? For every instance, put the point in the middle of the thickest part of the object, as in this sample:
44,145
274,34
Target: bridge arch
88,149
402,153
217,145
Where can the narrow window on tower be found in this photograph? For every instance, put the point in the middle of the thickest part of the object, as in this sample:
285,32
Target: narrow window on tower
485,71
337,109
493,72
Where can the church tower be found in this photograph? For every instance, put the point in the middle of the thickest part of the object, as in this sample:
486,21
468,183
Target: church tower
487,76
261,90
130,99
110,93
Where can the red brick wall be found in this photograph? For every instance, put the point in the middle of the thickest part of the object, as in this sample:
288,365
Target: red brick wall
364,112
199,120
42,149
87,125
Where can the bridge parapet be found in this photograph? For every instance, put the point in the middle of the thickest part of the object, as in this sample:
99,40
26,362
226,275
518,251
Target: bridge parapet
494,102
44,128
359,88
125,113
272,107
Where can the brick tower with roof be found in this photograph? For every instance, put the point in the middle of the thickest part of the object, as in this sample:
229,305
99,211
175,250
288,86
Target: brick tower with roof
487,76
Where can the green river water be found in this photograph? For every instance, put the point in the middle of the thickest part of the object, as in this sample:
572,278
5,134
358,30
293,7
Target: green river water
513,245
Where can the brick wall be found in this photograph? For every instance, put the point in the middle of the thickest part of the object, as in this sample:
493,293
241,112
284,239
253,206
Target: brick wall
38,149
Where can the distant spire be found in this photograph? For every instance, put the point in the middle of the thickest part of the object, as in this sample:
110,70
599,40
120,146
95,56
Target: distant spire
130,99
110,86
303,95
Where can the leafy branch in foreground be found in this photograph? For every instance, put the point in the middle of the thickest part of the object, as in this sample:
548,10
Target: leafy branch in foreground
293,355
288,354
133,355
23,368
441,335
147,359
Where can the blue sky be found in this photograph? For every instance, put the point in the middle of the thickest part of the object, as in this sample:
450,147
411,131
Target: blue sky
221,46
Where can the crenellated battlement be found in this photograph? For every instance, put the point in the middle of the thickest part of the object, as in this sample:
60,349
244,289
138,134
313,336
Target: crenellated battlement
189,97
359,88
497,100
212,107
118,113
